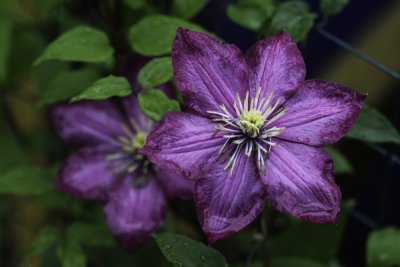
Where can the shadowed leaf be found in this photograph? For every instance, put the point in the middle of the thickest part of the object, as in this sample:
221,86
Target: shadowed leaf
373,126
185,252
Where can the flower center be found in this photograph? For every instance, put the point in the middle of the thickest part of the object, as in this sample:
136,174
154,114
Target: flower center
128,159
251,128
139,140
251,122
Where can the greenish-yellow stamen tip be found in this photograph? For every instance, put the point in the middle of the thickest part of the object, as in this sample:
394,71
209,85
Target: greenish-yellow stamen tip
251,122
139,140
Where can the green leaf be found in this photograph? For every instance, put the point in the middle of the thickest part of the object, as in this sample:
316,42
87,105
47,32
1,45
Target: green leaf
5,45
70,254
293,17
295,262
183,251
383,248
156,72
90,234
155,104
342,164
105,88
187,8
67,85
26,180
47,237
153,35
83,44
332,7
251,14
373,126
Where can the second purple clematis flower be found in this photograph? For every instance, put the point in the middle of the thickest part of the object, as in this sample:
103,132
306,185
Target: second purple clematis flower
254,129
107,166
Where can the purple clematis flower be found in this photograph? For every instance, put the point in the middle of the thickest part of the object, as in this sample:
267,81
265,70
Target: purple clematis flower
254,129
107,166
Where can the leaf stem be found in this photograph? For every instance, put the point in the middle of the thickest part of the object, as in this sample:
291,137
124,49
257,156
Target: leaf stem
258,239
392,157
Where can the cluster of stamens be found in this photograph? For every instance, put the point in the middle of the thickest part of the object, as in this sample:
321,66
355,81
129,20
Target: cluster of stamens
249,128
127,159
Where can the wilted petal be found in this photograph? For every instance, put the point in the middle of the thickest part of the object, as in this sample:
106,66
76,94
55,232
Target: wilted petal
134,213
276,65
176,185
208,72
299,181
137,120
87,122
226,204
182,143
320,113
86,174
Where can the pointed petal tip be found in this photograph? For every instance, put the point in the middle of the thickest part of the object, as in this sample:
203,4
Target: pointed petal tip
282,36
181,30
213,237
320,217
183,33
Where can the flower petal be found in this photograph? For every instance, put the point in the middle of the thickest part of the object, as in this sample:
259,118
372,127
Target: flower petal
134,213
320,113
86,174
87,122
276,65
176,185
299,181
226,204
208,72
182,143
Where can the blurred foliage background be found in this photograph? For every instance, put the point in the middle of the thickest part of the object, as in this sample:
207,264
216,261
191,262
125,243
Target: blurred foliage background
42,227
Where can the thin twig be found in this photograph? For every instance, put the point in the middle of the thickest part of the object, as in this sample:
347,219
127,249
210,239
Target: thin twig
385,187
364,219
359,54
258,238
392,157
